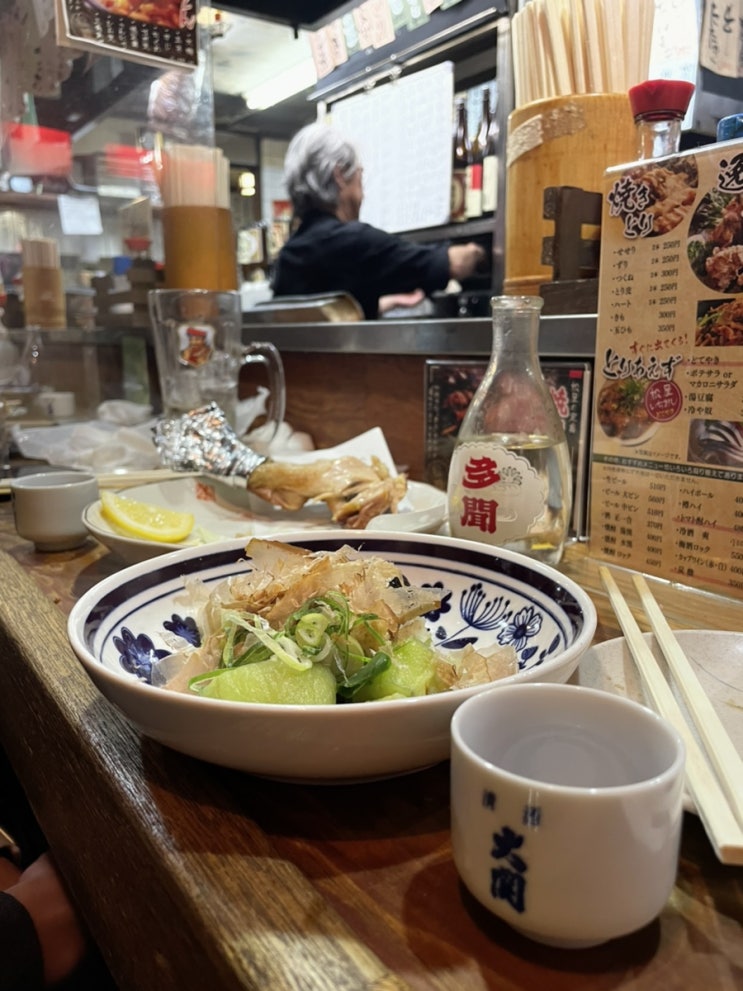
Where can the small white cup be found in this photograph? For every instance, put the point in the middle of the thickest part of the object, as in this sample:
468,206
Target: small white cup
48,508
566,805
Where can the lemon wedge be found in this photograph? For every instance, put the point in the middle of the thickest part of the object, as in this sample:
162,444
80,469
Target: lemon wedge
142,519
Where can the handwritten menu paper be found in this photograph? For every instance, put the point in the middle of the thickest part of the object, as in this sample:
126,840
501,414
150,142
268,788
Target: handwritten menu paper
721,43
667,452
403,189
322,52
374,24
337,41
153,32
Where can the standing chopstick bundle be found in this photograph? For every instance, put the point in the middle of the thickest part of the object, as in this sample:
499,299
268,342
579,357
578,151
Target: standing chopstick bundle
43,290
198,236
562,47
40,252
195,175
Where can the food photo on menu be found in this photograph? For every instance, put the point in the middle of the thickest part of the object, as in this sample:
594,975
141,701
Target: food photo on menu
716,241
719,324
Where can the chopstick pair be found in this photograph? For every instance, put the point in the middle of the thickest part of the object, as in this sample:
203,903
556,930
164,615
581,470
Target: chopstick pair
719,799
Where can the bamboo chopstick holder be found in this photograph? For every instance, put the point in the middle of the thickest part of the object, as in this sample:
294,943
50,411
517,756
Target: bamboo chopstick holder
720,748
723,830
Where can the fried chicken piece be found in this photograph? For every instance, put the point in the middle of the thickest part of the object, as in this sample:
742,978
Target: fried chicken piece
355,492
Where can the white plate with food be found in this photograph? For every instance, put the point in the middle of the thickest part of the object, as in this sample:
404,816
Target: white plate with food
478,613
221,512
717,658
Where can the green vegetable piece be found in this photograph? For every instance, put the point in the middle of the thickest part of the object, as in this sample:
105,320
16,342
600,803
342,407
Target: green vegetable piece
349,688
412,672
272,681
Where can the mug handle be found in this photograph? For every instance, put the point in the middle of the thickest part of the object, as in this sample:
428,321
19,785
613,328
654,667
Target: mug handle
268,354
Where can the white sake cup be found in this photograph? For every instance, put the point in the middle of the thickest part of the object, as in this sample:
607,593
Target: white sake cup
48,508
566,806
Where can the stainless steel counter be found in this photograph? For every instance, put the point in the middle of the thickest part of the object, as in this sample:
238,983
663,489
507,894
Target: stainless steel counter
571,336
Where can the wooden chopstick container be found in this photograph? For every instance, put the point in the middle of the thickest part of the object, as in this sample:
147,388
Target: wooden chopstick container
562,141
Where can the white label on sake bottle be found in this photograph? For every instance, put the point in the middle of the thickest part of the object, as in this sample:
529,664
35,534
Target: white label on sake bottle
495,495
489,184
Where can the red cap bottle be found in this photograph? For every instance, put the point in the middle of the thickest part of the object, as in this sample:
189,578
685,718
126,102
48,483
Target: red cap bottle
659,106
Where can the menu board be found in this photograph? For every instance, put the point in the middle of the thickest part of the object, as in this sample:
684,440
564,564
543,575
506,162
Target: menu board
667,451
403,132
153,32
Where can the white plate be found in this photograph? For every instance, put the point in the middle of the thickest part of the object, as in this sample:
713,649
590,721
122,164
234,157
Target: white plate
492,597
717,657
224,513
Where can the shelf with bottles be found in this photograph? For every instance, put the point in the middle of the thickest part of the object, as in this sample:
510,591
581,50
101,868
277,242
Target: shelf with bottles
475,150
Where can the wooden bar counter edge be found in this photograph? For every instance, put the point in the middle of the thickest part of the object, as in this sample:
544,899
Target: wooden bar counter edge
191,876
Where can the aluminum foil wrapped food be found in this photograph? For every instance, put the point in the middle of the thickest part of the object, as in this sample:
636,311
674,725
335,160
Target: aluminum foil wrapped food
354,491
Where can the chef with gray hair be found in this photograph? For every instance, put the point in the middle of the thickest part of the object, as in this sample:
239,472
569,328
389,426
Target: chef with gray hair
333,251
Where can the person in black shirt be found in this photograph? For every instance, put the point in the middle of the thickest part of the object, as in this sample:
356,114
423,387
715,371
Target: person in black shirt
333,251
43,940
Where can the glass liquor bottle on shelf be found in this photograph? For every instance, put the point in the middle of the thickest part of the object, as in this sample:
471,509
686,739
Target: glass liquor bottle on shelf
473,181
490,145
510,481
460,159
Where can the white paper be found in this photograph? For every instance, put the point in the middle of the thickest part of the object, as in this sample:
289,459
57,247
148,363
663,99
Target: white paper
80,215
721,47
403,132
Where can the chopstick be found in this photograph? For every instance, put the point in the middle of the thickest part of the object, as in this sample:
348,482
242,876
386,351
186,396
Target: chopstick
723,829
564,47
722,752
125,479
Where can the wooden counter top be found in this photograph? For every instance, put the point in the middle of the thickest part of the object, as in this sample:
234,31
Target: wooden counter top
196,877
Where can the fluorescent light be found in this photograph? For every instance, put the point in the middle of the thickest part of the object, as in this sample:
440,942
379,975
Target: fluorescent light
281,87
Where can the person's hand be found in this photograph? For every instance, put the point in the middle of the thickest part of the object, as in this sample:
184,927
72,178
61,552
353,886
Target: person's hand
407,299
41,891
465,259
9,874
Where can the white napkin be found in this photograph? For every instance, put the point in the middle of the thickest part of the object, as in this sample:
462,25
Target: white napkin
102,447
123,412
98,446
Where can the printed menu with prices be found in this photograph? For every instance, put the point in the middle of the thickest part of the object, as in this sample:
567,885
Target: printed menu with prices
153,32
667,450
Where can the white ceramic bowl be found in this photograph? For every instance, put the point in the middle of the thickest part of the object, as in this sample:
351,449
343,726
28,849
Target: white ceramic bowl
495,596
221,513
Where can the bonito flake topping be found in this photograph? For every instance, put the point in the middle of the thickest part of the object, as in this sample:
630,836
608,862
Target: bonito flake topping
353,615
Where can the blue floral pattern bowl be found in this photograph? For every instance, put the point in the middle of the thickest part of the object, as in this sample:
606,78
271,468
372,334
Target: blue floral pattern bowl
124,624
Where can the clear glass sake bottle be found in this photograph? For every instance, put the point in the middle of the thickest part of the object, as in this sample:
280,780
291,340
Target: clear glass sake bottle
510,480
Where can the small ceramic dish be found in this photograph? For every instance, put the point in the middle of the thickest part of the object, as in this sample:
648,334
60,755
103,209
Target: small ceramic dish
717,658
221,513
